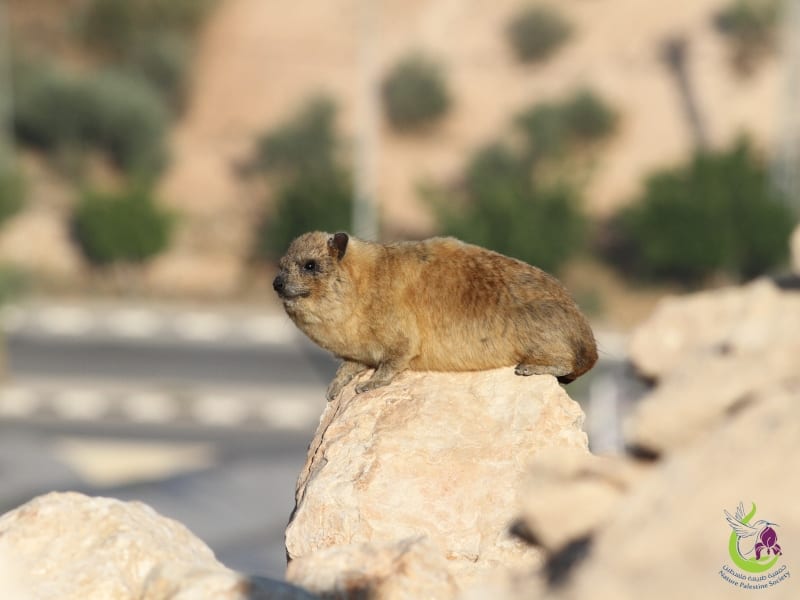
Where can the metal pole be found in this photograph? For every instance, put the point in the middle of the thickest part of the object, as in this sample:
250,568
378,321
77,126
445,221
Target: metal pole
675,53
365,204
6,94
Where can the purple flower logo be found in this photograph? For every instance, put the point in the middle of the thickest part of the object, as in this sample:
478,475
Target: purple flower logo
752,543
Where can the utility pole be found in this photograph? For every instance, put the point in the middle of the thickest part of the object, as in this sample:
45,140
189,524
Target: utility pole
675,53
785,171
365,204
6,94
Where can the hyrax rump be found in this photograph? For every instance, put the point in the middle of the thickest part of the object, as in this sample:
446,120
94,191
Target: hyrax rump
435,305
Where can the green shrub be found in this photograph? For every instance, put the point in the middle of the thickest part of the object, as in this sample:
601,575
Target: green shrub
322,200
500,207
414,93
130,121
117,114
120,27
537,32
13,283
550,128
164,64
312,190
12,194
306,141
716,214
750,28
121,227
149,38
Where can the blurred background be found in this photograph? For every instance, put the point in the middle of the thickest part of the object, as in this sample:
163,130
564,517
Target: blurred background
157,156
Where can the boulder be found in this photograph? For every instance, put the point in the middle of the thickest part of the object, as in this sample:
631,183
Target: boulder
699,395
435,457
73,547
721,426
739,320
410,568
668,538
567,495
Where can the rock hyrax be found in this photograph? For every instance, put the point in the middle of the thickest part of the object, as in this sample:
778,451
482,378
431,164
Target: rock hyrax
435,305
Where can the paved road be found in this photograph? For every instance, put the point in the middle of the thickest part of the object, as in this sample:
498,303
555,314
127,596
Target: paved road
161,366
225,401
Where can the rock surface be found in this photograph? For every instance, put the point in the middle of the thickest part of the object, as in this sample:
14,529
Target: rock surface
735,321
70,546
669,538
435,457
722,426
410,568
567,495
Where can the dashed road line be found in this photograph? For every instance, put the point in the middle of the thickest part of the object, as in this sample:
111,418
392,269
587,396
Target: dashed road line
18,402
217,409
220,410
80,404
149,407
275,329
289,415
202,326
65,320
131,322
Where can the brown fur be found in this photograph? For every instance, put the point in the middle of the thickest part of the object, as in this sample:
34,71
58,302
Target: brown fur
434,305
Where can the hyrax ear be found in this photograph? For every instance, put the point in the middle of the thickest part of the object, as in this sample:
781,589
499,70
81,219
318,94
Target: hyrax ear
337,244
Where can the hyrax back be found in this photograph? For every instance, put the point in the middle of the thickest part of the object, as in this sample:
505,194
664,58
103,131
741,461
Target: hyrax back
434,305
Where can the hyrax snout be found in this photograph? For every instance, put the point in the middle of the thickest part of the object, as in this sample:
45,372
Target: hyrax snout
435,305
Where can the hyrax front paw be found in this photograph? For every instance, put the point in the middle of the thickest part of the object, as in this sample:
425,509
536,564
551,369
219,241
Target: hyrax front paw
344,375
333,390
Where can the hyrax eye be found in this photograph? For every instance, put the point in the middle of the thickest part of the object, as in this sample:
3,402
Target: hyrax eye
310,266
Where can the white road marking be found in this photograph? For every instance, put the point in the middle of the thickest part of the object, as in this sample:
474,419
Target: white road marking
81,404
269,329
65,320
220,410
150,407
201,326
133,323
290,414
18,402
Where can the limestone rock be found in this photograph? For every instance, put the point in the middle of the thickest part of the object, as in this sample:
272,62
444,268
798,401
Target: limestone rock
408,569
435,456
669,538
568,495
711,351
695,398
748,319
70,546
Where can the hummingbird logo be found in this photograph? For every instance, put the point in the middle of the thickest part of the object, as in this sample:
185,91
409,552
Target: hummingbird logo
753,546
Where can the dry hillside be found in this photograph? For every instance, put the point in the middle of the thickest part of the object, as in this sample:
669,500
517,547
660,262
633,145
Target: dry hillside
260,58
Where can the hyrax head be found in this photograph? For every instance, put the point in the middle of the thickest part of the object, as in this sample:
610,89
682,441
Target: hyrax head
306,266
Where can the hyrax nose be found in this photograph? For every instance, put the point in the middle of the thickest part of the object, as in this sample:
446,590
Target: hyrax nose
278,284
